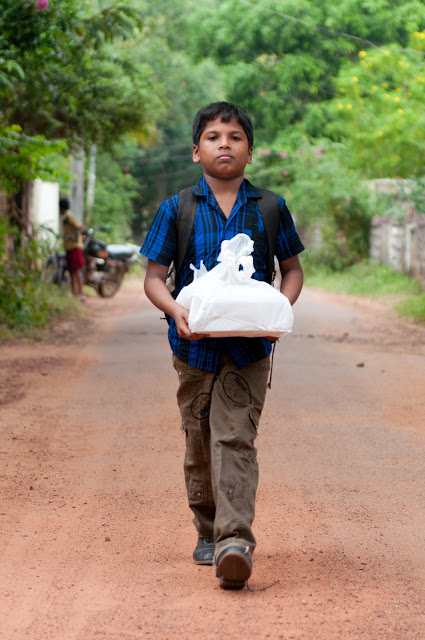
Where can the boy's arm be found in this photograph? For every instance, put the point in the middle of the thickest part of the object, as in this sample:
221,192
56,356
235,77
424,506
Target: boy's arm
158,294
292,278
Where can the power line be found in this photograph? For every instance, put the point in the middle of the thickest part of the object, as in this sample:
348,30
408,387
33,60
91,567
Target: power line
340,34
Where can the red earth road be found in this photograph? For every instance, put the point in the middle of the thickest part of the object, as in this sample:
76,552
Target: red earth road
96,536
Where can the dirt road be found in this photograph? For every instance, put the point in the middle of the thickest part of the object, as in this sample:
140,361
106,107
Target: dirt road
96,537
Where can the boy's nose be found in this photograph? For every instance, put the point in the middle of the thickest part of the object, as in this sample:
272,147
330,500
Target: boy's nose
224,142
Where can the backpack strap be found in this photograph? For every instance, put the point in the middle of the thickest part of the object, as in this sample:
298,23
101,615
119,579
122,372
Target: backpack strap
186,212
269,209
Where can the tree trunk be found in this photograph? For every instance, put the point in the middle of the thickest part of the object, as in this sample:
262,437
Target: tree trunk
77,182
91,181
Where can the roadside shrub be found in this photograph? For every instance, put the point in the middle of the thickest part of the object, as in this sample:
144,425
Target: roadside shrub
324,194
25,302
413,308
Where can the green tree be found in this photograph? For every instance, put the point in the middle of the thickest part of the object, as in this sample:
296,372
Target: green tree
72,85
279,57
379,112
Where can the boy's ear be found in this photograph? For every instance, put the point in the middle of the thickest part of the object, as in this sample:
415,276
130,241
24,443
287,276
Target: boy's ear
249,161
196,157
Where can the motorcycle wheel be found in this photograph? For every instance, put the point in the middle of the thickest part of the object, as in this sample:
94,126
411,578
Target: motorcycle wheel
111,282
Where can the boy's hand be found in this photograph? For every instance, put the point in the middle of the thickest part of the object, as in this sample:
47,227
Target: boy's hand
181,317
157,292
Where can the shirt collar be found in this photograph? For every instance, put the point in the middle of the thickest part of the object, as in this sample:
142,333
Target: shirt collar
246,190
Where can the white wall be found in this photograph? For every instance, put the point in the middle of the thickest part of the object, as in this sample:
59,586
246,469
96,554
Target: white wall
45,204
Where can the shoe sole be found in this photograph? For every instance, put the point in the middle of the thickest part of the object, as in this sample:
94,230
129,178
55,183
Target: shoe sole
234,569
204,562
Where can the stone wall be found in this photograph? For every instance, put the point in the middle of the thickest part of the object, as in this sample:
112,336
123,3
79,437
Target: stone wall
399,244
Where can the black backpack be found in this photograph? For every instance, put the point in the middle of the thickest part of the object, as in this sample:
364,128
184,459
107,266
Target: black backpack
186,212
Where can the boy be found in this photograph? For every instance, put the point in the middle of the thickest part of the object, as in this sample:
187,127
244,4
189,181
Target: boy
73,245
222,381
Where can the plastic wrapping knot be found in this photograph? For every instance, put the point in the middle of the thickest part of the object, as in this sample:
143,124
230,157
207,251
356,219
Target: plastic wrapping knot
236,258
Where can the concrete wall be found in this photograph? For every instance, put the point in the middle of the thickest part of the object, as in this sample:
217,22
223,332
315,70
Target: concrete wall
399,244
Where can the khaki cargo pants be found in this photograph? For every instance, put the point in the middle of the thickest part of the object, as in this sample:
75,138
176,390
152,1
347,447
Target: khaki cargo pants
220,415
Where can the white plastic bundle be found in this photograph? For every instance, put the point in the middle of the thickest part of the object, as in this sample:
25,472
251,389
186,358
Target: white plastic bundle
226,301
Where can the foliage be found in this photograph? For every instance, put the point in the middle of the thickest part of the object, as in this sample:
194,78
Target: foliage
73,86
61,78
412,195
413,308
322,193
365,278
115,190
162,163
24,158
379,111
25,302
280,57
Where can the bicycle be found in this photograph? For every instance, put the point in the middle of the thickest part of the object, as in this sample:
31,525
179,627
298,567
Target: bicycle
54,270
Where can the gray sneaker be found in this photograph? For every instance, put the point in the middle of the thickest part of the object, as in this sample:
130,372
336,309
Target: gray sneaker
204,551
233,567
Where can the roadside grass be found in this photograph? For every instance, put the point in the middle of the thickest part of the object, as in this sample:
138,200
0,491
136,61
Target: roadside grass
371,279
34,309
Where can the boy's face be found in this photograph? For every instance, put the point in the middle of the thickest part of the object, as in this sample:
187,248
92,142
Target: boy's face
223,150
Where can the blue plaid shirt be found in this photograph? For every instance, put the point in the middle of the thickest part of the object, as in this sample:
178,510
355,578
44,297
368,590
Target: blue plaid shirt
211,227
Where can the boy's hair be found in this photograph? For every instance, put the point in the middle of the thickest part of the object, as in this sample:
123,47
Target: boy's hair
226,111
64,203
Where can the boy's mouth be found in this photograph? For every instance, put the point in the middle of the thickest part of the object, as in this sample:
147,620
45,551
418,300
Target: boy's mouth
225,156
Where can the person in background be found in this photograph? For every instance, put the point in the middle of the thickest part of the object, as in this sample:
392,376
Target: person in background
73,243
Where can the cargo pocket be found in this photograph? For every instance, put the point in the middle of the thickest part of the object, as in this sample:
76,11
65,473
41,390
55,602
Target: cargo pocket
198,492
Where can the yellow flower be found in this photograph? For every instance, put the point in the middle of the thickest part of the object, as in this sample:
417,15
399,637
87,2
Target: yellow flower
401,111
379,133
386,95
355,79
422,35
340,106
349,106
362,54
409,93
387,53
396,99
375,88
385,85
400,63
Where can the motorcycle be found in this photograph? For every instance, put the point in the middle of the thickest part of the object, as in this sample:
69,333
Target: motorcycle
106,264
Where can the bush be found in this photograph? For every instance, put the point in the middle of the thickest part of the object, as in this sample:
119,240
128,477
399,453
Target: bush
25,301
323,193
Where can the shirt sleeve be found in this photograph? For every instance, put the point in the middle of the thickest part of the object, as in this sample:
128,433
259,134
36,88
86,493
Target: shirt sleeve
74,221
161,239
288,243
